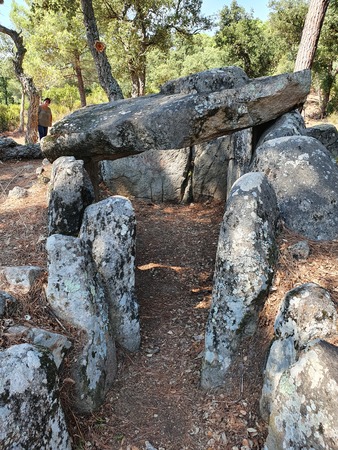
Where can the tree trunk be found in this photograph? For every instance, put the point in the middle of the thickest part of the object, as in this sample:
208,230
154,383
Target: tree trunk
311,32
22,112
80,83
107,81
27,85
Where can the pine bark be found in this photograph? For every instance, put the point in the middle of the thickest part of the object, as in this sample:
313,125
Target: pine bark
107,81
27,85
311,32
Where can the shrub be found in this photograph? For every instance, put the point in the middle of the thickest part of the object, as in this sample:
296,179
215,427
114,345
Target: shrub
9,117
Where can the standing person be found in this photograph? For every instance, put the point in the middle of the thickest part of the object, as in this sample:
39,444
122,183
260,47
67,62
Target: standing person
45,118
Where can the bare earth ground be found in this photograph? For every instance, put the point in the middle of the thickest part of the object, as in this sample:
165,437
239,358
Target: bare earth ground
156,397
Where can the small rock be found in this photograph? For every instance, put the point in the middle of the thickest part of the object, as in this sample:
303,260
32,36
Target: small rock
300,250
18,192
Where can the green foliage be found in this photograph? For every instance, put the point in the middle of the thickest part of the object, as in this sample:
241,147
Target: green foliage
187,56
285,26
9,117
244,40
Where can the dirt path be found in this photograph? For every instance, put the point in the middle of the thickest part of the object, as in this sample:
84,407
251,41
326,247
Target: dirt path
156,399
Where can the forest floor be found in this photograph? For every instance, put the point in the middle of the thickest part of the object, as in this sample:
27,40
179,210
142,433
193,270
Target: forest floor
156,400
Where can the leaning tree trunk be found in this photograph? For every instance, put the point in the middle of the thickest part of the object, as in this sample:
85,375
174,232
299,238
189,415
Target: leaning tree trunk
22,112
311,32
97,48
27,85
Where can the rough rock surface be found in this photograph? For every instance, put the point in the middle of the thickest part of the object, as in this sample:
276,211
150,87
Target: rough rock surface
20,278
57,344
70,193
205,171
8,304
158,176
108,229
219,163
10,149
305,409
305,180
207,81
30,413
327,134
75,295
306,314
159,122
243,271
289,124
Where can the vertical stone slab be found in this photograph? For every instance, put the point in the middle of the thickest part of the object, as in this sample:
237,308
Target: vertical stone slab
31,416
108,229
244,268
75,295
70,193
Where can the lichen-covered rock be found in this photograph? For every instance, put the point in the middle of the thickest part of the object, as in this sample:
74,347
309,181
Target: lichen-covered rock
19,279
71,192
300,250
305,180
18,192
327,134
206,81
158,176
162,122
289,124
306,314
31,416
245,260
76,296
205,171
8,304
217,164
10,149
57,344
108,229
305,408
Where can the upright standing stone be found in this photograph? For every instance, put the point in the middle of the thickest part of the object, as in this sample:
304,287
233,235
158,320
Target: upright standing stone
76,296
245,260
70,193
108,229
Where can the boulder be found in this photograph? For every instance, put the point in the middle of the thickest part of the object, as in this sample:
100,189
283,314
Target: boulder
31,416
20,279
327,134
305,180
305,409
289,124
70,193
10,149
306,314
245,260
160,122
76,297
108,229
206,81
56,343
